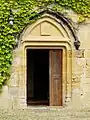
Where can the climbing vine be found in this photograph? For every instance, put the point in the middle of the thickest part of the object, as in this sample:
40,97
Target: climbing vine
23,11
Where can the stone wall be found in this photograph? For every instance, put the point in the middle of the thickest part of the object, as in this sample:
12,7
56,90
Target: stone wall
13,94
81,69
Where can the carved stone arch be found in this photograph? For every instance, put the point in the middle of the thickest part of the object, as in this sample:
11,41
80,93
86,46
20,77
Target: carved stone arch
46,22
64,25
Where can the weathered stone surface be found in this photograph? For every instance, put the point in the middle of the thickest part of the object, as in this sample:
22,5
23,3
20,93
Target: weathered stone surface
85,80
78,66
14,79
84,35
22,92
87,68
80,53
15,102
13,90
75,65
87,53
5,99
75,97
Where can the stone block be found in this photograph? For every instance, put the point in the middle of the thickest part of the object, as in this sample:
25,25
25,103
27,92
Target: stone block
78,54
75,98
23,103
5,99
85,81
87,53
85,99
87,68
76,85
76,78
22,92
14,79
16,61
15,103
84,35
13,91
69,53
86,87
78,65
22,80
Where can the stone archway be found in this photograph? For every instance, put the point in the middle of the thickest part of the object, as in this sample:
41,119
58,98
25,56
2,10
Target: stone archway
45,33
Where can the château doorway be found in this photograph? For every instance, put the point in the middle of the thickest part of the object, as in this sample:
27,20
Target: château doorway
44,77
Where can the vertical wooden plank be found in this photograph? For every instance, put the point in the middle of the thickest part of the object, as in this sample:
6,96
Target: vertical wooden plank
55,72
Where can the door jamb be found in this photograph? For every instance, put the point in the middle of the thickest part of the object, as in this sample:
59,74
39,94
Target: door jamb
66,66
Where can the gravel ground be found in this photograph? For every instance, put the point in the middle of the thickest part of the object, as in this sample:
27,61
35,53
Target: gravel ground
45,114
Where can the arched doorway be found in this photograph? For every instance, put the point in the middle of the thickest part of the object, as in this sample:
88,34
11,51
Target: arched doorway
46,46
45,63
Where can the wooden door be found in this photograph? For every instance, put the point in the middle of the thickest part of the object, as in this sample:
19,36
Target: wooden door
55,74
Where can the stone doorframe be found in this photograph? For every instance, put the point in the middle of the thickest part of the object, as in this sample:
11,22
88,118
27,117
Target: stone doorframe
43,43
46,33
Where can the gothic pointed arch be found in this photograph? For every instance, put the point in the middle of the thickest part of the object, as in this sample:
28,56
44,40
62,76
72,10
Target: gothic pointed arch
46,23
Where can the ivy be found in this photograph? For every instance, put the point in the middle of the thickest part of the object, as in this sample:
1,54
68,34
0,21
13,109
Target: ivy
23,11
